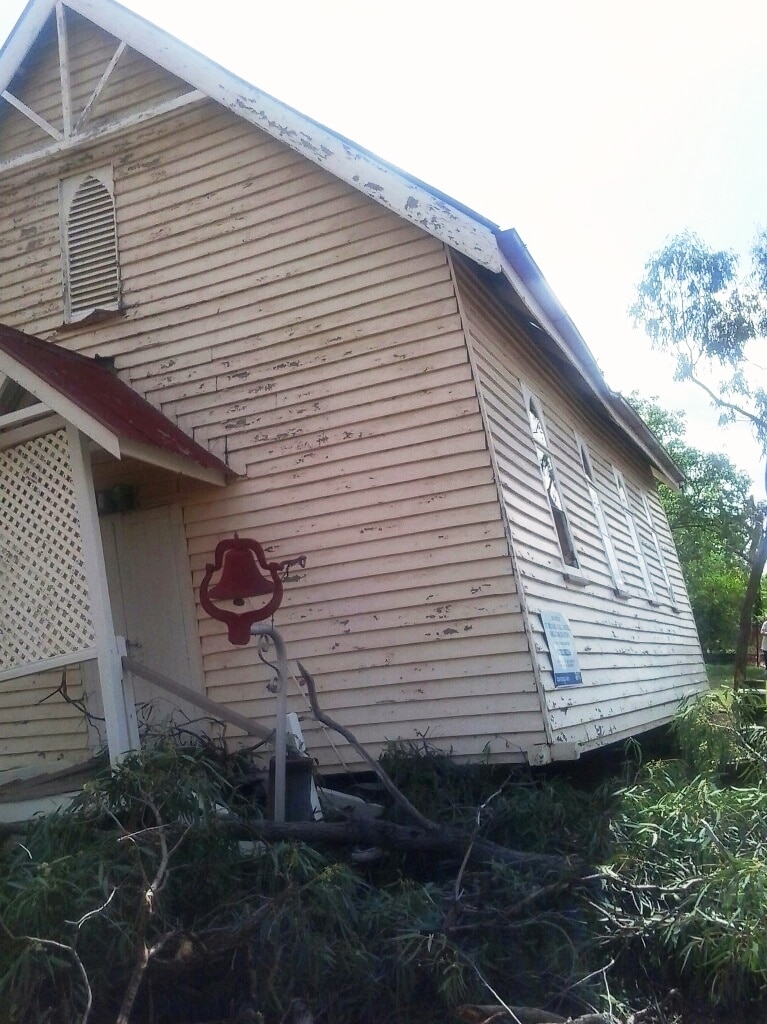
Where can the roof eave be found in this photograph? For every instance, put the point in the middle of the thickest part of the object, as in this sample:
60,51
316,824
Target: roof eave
59,403
174,463
18,44
525,276
413,200
179,454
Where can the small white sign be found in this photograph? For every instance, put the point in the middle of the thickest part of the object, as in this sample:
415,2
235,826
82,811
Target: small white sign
564,659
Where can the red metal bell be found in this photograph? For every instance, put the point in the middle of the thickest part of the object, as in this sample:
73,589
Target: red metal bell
240,577
240,561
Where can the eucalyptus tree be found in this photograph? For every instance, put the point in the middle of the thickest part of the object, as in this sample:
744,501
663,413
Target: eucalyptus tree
694,303
712,518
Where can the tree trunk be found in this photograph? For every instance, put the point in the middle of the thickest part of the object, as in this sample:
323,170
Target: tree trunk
439,839
757,560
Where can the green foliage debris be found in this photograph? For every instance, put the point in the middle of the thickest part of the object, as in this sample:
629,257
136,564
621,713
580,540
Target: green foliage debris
143,886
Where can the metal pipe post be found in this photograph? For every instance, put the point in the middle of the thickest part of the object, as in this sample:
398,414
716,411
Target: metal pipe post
280,732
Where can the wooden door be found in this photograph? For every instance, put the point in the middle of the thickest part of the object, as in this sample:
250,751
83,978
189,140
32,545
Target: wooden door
150,589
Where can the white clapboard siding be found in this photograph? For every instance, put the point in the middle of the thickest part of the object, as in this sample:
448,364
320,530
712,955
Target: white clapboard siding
42,731
638,657
284,319
31,239
427,497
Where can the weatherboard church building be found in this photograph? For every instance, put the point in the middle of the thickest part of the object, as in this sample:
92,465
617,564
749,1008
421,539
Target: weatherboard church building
219,317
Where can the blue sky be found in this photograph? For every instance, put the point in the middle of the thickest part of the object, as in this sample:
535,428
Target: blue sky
597,129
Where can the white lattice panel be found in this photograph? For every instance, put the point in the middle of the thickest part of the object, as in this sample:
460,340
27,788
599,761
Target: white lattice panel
44,608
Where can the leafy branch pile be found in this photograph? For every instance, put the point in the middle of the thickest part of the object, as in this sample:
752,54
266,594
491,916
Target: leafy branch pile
141,888
142,902
687,900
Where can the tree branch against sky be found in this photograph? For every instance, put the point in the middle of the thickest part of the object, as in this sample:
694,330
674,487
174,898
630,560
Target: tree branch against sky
693,305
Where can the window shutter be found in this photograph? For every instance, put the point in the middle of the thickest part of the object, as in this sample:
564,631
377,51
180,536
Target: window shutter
601,520
92,268
634,534
551,484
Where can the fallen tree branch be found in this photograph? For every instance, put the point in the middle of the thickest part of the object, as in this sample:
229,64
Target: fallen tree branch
147,909
375,832
36,940
351,739
494,1014
429,836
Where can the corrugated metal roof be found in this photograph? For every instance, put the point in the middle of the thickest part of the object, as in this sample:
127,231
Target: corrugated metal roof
100,395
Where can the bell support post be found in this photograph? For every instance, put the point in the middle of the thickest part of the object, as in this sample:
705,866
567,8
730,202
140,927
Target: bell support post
242,564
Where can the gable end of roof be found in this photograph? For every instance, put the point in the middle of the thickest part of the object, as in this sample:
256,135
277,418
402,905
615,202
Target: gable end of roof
501,252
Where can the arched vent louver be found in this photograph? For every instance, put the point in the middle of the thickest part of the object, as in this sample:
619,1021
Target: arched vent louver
93,272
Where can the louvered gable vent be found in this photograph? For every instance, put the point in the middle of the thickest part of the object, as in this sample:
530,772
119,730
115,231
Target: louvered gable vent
93,280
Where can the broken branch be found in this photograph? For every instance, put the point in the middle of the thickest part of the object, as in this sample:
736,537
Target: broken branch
351,739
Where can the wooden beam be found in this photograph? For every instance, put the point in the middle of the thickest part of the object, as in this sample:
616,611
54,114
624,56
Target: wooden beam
97,134
66,92
29,431
441,839
49,664
119,714
100,87
163,459
218,711
32,116
31,412
32,21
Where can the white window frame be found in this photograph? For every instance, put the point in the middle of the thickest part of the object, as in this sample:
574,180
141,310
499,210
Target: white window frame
68,190
572,569
658,550
616,575
625,503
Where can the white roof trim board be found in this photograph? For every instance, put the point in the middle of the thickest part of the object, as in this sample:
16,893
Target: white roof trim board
413,200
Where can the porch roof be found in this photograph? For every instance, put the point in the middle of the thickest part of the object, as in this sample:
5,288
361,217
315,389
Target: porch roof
88,394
